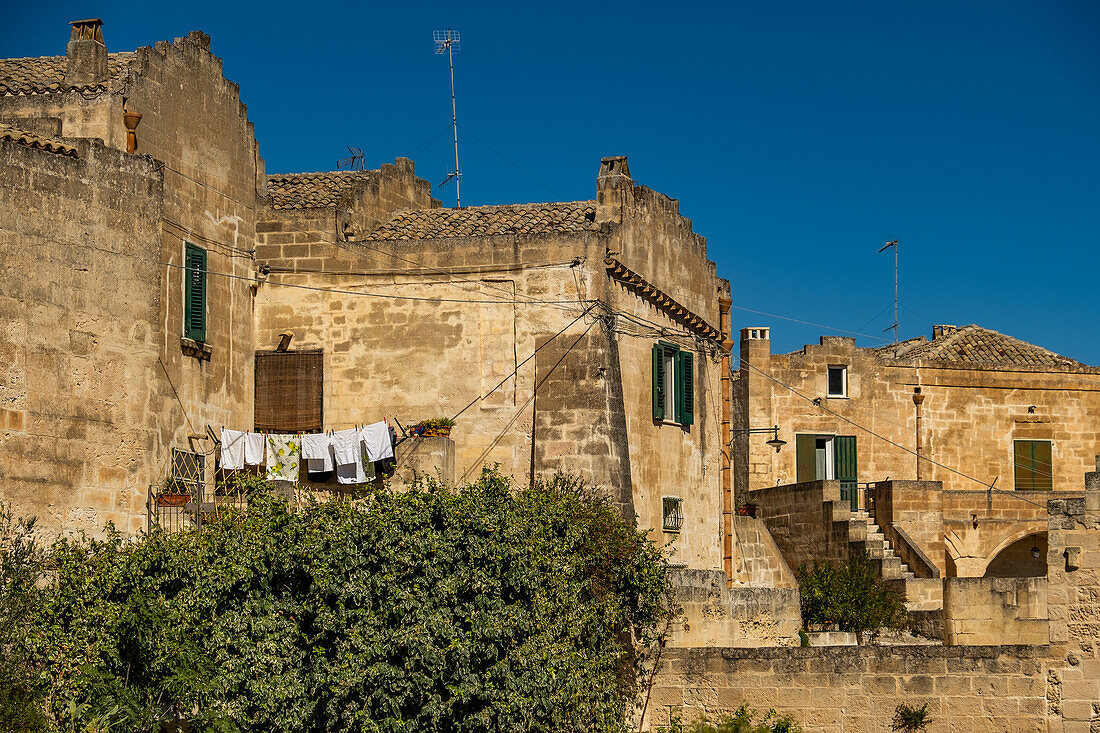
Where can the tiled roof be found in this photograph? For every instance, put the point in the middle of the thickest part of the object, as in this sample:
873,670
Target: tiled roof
976,345
483,221
311,190
22,137
45,74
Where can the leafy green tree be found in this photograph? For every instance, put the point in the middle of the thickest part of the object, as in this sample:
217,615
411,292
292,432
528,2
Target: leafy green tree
849,595
22,565
432,609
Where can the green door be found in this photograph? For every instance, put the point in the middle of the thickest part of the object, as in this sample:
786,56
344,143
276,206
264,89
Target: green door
805,450
845,457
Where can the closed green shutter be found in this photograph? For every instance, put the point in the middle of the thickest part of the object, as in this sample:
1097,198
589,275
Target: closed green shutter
194,296
844,454
658,382
805,451
1033,467
685,385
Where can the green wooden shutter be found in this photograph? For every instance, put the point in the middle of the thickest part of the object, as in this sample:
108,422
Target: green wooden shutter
685,386
845,455
1033,467
805,451
1044,467
194,296
658,382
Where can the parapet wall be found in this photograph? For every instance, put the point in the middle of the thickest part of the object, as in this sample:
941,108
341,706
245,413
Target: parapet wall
977,689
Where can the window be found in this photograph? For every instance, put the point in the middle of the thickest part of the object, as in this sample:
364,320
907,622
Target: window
194,294
289,391
1034,468
673,384
188,471
838,381
672,513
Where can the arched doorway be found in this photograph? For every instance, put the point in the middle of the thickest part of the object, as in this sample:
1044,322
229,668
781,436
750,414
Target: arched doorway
1024,558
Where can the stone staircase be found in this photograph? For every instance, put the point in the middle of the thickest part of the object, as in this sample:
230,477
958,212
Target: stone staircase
864,534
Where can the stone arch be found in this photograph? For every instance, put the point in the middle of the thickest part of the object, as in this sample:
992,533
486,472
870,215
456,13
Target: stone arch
1013,558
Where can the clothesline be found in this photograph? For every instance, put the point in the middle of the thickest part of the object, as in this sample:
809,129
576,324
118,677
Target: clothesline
352,453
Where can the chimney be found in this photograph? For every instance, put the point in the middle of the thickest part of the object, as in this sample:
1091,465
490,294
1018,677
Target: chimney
613,185
941,331
86,54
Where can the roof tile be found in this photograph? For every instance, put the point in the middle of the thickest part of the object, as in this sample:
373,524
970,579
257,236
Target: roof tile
31,140
483,221
312,190
976,345
46,74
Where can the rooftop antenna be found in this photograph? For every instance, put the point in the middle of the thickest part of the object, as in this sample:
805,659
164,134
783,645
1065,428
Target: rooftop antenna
893,325
449,41
353,162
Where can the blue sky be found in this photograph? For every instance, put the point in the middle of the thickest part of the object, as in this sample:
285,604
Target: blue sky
799,136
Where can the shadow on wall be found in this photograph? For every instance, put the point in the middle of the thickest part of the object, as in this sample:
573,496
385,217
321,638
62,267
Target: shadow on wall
1024,558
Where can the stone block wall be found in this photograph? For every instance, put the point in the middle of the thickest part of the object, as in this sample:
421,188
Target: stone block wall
79,334
713,614
990,611
989,689
807,521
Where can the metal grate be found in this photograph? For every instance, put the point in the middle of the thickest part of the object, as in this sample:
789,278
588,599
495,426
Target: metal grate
672,512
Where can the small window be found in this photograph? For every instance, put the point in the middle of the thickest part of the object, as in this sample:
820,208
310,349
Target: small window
672,511
188,471
194,294
1034,468
673,384
838,381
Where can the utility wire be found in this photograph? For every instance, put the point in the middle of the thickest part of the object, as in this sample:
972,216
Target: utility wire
516,165
532,356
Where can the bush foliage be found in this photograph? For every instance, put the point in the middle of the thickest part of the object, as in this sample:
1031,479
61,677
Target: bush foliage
431,609
742,721
849,595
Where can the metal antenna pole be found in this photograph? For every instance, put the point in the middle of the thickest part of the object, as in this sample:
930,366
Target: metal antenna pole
893,325
448,41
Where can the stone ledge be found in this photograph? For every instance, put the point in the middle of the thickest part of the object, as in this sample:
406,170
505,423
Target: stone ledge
199,350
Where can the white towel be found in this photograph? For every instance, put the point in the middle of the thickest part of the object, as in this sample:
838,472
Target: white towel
376,439
351,473
317,450
254,448
233,444
345,447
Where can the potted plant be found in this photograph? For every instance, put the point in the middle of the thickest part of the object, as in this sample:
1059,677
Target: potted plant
437,427
747,510
173,492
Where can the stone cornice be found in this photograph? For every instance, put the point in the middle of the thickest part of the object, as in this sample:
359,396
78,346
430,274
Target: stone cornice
661,300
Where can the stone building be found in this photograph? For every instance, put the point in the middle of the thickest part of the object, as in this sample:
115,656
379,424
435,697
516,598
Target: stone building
999,424
539,327
114,362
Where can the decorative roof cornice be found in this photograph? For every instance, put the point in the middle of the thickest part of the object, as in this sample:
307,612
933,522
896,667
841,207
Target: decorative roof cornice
661,300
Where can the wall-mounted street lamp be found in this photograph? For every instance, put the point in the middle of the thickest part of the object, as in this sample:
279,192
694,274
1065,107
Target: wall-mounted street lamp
775,442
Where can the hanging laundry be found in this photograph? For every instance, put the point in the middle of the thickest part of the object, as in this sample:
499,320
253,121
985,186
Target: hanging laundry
352,473
376,439
283,453
317,451
254,448
345,446
233,449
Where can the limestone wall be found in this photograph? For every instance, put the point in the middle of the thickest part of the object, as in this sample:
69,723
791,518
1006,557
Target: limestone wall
990,611
808,522
856,689
79,334
711,614
971,415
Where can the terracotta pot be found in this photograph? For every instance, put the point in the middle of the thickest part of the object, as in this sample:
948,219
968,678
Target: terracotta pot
746,510
173,499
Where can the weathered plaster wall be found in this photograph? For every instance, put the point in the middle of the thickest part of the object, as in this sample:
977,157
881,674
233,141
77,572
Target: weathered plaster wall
79,334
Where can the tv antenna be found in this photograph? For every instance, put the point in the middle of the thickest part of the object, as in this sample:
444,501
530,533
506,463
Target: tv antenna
894,325
449,41
354,162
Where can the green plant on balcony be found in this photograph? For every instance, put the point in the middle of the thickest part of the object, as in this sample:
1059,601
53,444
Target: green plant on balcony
436,427
850,596
174,491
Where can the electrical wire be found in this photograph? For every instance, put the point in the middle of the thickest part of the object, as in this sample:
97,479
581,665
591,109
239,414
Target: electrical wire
810,323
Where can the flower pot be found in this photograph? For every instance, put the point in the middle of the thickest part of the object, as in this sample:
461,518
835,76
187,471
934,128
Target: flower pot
746,510
173,499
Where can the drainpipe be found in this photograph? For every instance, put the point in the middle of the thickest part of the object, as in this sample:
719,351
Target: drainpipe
918,398
727,485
